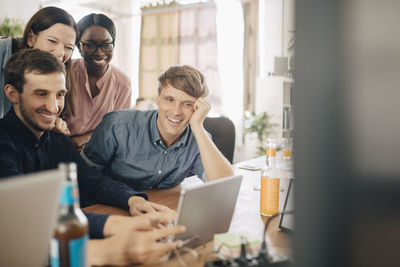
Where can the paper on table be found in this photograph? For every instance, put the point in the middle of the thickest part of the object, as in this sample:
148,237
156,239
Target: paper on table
229,244
191,181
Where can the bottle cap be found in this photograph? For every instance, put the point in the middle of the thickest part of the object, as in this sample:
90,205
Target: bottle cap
69,168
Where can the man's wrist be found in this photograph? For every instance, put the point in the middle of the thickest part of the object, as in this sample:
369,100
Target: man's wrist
196,127
97,252
198,130
109,225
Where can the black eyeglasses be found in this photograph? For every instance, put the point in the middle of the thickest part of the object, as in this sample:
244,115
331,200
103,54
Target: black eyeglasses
91,47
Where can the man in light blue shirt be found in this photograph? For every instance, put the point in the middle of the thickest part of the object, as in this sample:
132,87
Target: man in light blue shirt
159,148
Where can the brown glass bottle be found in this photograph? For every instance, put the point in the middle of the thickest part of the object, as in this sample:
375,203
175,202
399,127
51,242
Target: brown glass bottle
69,243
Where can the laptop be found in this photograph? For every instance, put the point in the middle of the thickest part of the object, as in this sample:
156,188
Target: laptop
207,209
28,208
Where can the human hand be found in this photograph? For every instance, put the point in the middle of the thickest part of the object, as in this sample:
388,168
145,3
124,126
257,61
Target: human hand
61,127
128,247
201,108
143,222
139,205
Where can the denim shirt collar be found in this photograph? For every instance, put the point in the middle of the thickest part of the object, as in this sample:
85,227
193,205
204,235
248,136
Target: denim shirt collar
22,132
156,138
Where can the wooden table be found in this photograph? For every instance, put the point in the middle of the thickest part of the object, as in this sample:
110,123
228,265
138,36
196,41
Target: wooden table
246,217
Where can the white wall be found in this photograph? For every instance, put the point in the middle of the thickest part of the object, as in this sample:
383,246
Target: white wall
276,28
20,9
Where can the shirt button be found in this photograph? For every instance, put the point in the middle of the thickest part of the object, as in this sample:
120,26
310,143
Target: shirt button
165,152
159,171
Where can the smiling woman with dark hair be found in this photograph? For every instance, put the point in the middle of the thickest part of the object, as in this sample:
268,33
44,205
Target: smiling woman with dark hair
50,29
100,87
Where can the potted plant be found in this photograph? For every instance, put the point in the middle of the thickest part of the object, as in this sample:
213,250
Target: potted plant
11,27
261,126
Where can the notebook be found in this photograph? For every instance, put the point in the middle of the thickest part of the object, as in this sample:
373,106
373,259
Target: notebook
207,209
28,208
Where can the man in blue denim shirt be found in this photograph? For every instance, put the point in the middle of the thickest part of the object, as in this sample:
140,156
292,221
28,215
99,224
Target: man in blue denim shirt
159,148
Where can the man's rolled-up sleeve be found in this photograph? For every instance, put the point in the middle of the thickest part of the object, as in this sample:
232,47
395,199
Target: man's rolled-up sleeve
96,224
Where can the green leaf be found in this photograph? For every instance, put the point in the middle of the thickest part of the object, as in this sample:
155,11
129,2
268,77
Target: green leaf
261,126
11,27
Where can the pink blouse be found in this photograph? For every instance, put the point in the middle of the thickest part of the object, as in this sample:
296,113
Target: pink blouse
115,93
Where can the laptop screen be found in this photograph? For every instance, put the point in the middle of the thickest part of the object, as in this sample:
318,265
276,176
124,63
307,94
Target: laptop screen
207,209
28,208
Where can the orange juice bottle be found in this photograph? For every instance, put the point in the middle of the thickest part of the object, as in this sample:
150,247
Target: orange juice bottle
270,179
287,153
287,145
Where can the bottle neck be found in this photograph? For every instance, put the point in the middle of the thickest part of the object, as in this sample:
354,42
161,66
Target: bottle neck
69,199
68,209
271,155
271,160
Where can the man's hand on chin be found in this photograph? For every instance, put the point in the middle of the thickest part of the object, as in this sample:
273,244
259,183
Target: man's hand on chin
61,127
201,108
139,205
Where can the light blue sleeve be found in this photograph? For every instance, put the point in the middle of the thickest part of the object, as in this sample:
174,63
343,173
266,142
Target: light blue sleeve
101,148
5,54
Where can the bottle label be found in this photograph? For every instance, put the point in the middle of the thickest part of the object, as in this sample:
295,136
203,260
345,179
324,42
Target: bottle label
68,194
77,251
54,256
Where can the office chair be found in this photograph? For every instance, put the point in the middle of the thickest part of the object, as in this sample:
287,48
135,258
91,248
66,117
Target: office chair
222,130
